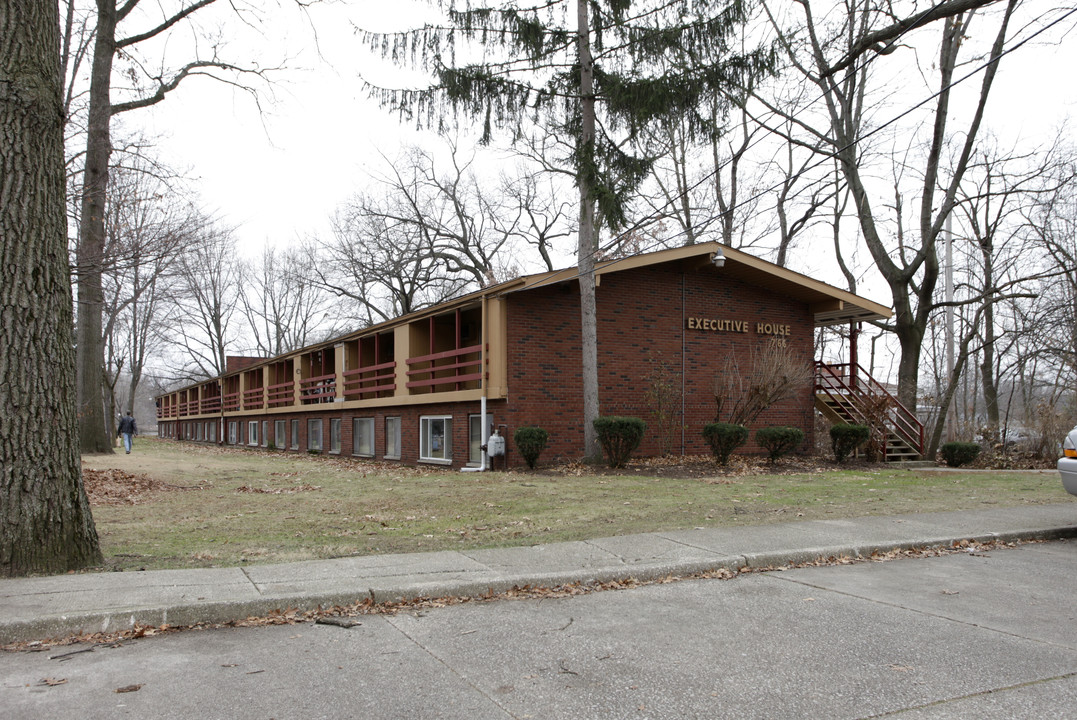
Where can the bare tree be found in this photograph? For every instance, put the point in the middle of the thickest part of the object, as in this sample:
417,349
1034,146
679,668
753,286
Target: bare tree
284,306
148,224
205,301
147,84
835,64
45,520
385,269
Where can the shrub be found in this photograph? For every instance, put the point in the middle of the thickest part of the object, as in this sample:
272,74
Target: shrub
530,441
844,439
957,454
619,436
779,440
724,438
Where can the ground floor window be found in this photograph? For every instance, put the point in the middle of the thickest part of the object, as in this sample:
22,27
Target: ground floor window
392,438
279,440
265,433
295,435
252,432
200,432
232,438
363,437
314,435
435,439
211,431
334,435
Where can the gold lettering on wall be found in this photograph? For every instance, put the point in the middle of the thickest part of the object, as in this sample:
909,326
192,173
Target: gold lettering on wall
738,326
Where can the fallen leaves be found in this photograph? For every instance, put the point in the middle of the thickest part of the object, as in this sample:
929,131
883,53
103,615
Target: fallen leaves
290,490
129,688
116,487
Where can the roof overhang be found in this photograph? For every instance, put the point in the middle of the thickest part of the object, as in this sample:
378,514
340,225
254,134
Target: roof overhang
829,305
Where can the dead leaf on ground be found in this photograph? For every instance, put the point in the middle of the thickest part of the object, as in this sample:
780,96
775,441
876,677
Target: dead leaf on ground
52,682
129,688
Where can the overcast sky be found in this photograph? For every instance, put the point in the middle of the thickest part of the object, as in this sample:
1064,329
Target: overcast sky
278,175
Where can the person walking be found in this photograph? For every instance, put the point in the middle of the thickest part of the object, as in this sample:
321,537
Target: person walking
127,429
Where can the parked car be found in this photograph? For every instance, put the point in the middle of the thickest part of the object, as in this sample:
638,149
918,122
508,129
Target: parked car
1067,464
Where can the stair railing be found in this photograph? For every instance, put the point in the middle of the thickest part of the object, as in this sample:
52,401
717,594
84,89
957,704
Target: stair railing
853,390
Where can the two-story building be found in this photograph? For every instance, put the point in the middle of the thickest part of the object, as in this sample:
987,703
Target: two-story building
416,389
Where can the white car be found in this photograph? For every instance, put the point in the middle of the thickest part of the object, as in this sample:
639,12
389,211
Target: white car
1067,465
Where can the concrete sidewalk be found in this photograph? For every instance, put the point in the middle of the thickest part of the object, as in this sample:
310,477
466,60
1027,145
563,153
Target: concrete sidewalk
57,606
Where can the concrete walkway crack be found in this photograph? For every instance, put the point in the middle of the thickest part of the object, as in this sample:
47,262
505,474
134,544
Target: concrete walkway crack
982,693
466,680
917,611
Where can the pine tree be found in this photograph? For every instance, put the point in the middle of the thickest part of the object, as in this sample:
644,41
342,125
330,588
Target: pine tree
593,73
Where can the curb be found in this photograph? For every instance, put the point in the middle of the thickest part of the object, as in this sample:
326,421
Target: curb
187,614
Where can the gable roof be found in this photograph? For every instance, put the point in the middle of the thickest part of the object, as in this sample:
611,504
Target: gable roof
830,305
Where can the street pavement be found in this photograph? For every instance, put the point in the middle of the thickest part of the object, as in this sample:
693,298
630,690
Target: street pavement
969,634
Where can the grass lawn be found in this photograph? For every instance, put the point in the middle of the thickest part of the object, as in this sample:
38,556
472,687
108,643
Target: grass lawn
170,505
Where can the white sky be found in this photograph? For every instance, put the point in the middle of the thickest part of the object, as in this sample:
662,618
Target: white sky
279,176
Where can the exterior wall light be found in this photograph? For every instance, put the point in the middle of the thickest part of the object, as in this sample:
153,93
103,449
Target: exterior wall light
718,258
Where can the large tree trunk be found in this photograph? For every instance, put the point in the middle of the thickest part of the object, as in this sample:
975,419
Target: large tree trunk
93,437
45,520
585,250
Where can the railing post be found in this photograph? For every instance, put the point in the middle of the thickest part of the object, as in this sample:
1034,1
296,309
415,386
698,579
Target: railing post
854,358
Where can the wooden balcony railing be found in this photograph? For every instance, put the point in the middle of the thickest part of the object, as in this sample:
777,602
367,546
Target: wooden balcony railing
320,389
446,368
282,394
253,399
210,405
230,401
368,382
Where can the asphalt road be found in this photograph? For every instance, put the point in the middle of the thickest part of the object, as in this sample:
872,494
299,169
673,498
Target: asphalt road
969,635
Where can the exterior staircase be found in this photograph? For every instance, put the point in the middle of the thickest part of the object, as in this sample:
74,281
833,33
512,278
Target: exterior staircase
845,393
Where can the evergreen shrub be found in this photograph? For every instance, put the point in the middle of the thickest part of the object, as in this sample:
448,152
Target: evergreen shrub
957,454
530,442
619,436
844,439
724,438
779,440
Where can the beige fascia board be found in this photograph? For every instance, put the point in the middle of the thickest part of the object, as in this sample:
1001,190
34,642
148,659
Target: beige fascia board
455,396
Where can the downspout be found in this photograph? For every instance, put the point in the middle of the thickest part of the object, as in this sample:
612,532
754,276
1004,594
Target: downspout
683,366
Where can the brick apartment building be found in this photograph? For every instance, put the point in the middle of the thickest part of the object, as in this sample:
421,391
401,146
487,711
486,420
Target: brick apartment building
414,389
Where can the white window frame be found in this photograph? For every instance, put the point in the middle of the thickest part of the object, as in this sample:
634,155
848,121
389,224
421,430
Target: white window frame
314,439
295,434
363,437
280,434
392,437
252,433
265,433
211,432
434,448
334,435
233,432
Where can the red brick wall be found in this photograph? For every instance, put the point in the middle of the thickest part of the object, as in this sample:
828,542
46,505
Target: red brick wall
641,316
